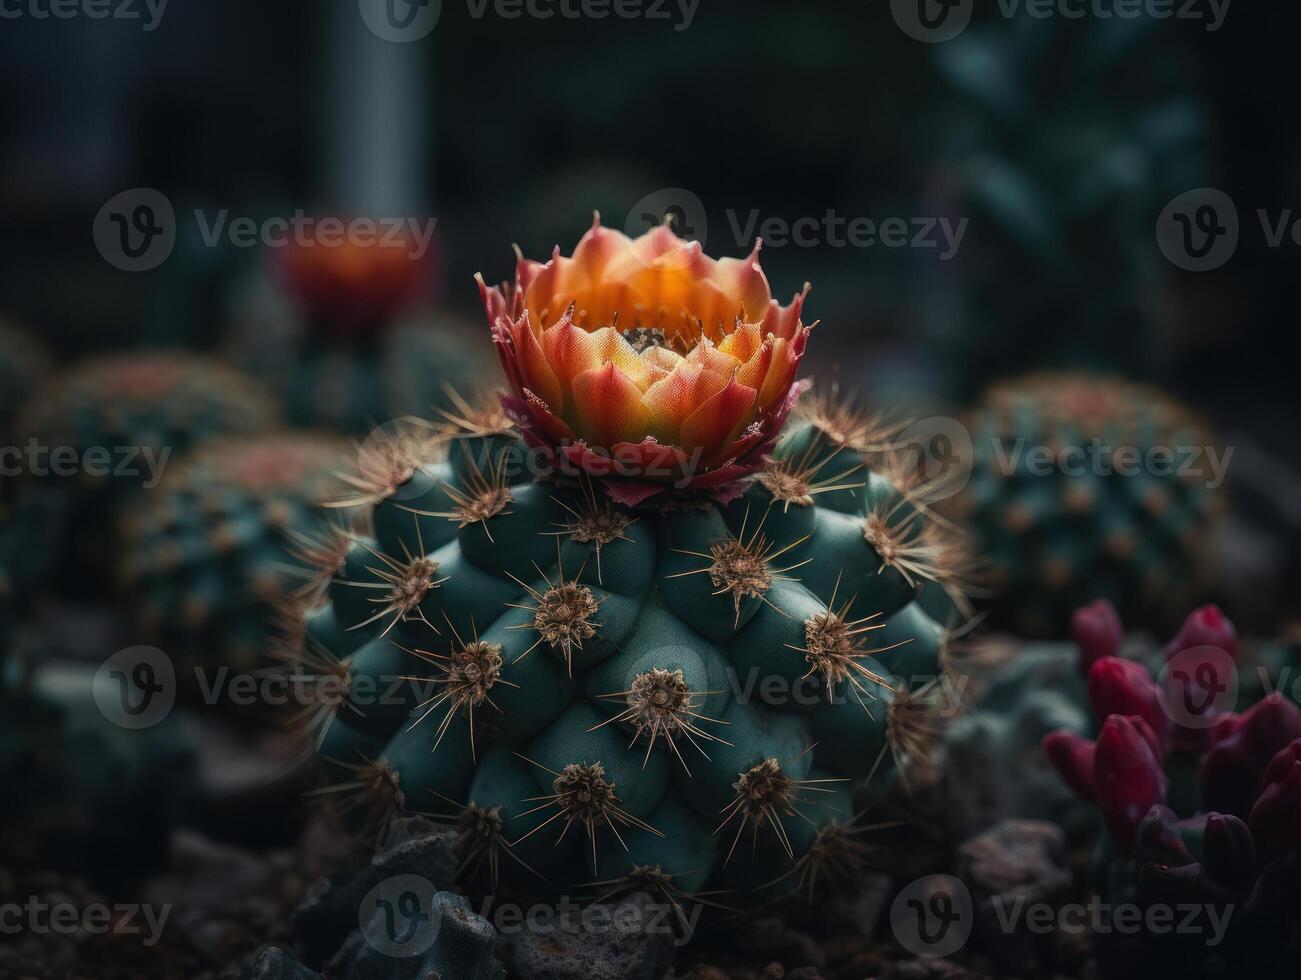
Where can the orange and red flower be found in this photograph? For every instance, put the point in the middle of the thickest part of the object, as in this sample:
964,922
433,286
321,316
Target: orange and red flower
352,287
645,362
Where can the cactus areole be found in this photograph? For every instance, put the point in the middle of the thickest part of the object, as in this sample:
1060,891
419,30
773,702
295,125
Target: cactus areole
649,632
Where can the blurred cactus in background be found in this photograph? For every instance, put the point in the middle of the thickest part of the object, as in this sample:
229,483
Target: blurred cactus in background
1084,487
348,336
595,647
106,428
1063,141
210,553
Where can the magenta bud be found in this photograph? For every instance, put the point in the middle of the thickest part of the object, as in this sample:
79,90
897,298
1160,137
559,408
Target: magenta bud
1097,631
1072,756
1127,779
1205,627
1234,768
1229,852
1281,764
1276,818
1123,687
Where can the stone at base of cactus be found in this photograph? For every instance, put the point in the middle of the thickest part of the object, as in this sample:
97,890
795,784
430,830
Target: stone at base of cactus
680,698
1082,525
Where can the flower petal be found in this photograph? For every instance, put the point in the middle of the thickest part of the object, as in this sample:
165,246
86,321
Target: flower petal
609,406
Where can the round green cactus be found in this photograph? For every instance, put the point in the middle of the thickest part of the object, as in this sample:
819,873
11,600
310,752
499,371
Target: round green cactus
231,528
615,697
98,432
1062,517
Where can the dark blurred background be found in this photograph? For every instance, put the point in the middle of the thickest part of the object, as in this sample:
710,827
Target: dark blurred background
1060,139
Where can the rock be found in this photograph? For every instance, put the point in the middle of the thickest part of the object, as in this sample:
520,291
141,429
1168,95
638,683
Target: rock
464,949
772,937
931,969
636,942
859,912
418,846
1010,868
273,963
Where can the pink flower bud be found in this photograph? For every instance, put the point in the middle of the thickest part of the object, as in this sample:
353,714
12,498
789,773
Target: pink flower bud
1122,687
1235,766
1205,627
1097,632
1127,779
1072,756
1276,818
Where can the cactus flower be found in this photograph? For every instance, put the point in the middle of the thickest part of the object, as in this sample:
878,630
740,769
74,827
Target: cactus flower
352,287
647,363
1123,687
1205,627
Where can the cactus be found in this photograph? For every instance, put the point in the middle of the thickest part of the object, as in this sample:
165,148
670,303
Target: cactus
348,336
1201,806
110,425
1094,520
634,680
1062,141
209,553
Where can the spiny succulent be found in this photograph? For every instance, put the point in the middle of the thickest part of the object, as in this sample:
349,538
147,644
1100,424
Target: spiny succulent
1062,140
348,336
1202,805
1084,486
645,632
209,554
103,429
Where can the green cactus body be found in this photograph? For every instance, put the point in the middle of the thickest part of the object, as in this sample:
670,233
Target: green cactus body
611,698
231,528
1059,521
